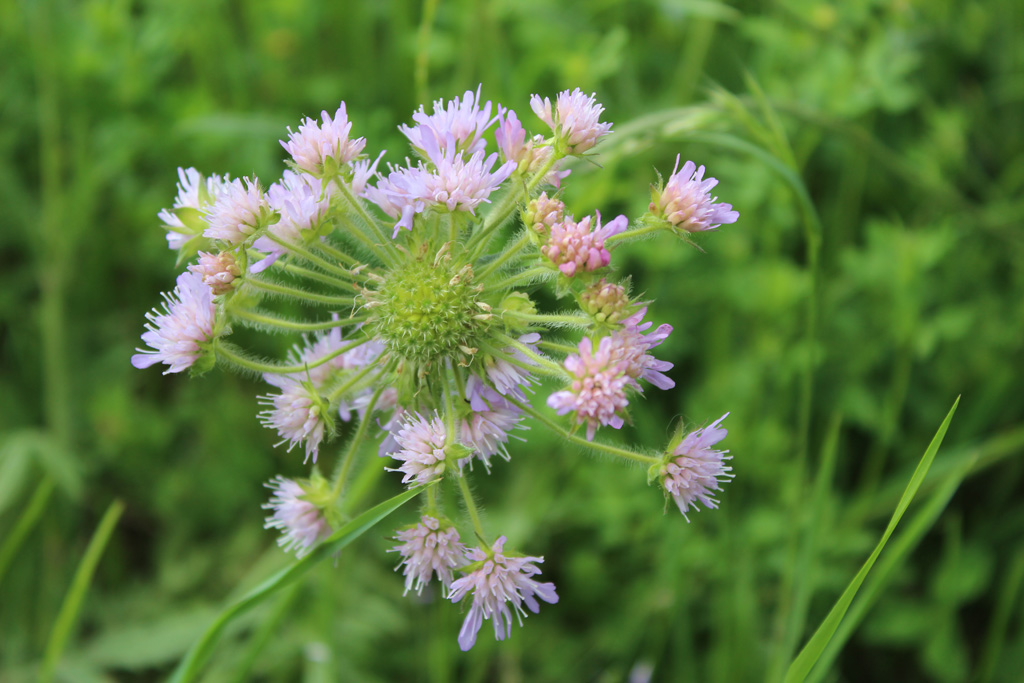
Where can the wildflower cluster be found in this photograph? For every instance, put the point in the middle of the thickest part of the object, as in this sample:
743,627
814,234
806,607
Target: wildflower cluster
419,327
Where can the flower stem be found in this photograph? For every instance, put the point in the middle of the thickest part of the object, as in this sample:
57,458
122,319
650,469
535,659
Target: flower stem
580,441
390,255
474,514
501,212
555,346
297,293
228,352
351,382
550,319
310,256
505,256
345,285
346,463
338,254
292,325
533,355
521,277
633,234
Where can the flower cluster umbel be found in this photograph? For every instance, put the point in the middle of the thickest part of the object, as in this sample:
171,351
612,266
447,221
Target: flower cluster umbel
419,327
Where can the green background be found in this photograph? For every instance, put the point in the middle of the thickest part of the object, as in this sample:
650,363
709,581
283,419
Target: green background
874,151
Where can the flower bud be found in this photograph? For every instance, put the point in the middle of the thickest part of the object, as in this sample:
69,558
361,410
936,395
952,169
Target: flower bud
543,212
217,270
606,301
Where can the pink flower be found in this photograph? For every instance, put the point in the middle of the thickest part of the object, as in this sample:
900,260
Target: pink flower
693,471
543,212
686,201
529,155
598,391
194,192
179,334
421,449
297,413
498,581
302,203
217,270
486,429
428,548
458,125
320,149
506,377
630,347
301,523
453,185
575,119
574,246
237,212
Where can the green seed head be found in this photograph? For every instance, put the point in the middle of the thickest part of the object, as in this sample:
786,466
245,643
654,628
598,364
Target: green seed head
428,310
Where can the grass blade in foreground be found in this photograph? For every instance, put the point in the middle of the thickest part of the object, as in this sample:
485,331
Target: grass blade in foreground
197,655
807,658
76,592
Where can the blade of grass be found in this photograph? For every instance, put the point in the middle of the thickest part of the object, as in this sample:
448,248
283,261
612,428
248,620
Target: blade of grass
262,636
812,651
802,583
196,657
27,520
899,551
1005,605
76,593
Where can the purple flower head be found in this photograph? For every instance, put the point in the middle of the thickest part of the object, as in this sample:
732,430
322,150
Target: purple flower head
630,347
543,213
302,203
454,185
362,171
529,155
297,413
237,212
194,192
694,470
598,391
217,270
456,125
506,377
421,445
301,523
428,548
323,148
511,137
178,334
575,119
574,246
686,201
486,430
497,582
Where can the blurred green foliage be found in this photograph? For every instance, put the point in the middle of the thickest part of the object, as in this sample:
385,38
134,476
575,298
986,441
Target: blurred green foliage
875,152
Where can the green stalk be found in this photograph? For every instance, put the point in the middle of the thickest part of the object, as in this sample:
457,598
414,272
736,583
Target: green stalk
357,440
579,441
296,293
309,256
511,251
76,592
291,325
229,352
471,508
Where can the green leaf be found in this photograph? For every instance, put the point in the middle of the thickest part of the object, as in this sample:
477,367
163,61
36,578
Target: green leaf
190,666
812,651
76,593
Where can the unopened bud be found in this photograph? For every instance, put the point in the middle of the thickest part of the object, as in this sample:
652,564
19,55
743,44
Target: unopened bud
217,270
543,212
606,301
